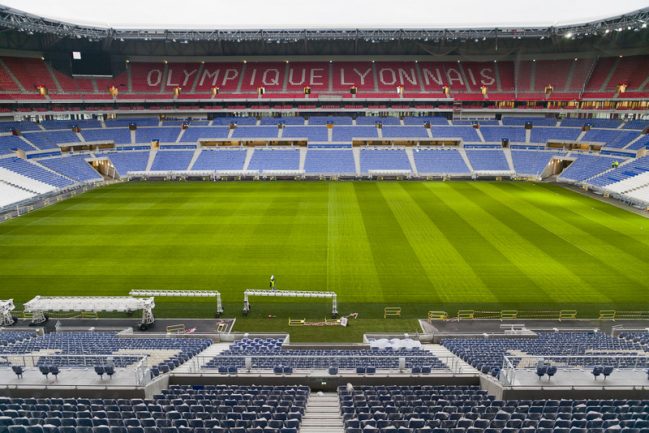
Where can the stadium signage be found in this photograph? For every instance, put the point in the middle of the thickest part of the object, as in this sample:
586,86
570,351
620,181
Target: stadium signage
320,76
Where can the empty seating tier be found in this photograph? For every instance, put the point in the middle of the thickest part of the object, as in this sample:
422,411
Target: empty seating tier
468,409
179,409
83,349
220,159
269,354
487,354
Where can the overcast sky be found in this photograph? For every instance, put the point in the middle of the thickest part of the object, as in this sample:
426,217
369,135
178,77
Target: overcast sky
329,14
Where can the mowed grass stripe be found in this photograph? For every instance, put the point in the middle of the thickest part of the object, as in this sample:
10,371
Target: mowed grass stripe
617,225
592,240
279,246
523,271
351,271
367,241
400,272
550,259
499,275
572,260
452,277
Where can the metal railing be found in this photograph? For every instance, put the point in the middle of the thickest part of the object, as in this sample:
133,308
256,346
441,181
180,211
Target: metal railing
137,363
251,363
513,364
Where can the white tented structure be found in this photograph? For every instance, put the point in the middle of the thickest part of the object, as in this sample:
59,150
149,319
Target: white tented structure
123,304
290,294
6,307
184,293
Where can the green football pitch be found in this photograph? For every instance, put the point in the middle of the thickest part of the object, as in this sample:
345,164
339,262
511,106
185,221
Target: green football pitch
416,245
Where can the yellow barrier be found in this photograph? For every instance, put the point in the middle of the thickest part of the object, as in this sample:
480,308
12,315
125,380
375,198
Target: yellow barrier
508,314
607,314
294,322
567,314
391,312
465,314
176,329
437,315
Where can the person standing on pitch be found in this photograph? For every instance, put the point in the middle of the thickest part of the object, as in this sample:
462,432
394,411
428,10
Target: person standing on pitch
272,283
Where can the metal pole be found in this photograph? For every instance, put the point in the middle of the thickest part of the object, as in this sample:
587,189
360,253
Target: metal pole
246,305
219,305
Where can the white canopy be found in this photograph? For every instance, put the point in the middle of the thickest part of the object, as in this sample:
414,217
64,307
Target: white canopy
326,14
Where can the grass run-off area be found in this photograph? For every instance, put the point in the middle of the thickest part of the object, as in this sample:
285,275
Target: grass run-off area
416,245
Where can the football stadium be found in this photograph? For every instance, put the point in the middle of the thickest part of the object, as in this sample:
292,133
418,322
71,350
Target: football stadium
324,217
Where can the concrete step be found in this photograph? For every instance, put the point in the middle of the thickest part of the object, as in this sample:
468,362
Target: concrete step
322,414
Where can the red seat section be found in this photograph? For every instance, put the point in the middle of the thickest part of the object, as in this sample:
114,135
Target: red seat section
146,77
632,71
74,85
580,74
264,74
552,72
480,74
312,74
181,75
225,76
522,80
120,82
439,74
390,75
506,75
600,74
348,74
7,84
31,73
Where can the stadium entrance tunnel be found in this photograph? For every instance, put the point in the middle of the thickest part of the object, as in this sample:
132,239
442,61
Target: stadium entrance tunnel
105,167
557,166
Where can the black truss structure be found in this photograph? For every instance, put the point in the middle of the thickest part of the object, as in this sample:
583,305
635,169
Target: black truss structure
12,19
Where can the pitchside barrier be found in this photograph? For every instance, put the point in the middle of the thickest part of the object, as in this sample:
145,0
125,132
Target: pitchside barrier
535,315
391,312
176,329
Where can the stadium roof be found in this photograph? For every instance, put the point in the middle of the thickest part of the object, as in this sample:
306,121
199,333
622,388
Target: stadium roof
326,14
